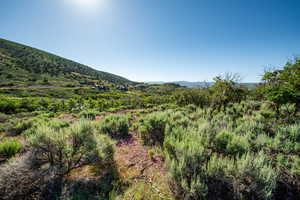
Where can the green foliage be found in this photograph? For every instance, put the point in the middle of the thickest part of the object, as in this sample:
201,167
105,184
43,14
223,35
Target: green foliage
152,128
296,165
115,126
9,147
13,105
23,125
251,176
287,139
199,97
66,149
231,143
226,90
88,114
223,156
282,86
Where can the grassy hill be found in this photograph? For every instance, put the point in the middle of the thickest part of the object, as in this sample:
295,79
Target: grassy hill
21,65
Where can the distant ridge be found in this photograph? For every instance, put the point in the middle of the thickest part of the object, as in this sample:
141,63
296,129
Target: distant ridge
196,84
24,65
184,83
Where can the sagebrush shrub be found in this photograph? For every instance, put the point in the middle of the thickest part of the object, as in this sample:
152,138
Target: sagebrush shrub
229,142
223,138
237,145
260,142
66,149
249,125
187,151
152,128
9,147
58,124
88,114
287,139
252,176
115,125
54,124
186,161
296,165
19,127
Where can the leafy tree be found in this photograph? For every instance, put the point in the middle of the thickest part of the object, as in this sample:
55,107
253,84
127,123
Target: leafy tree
283,86
198,97
226,90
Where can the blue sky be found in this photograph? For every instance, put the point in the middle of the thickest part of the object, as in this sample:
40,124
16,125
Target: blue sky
160,40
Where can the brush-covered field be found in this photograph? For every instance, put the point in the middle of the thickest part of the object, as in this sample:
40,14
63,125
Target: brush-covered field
153,142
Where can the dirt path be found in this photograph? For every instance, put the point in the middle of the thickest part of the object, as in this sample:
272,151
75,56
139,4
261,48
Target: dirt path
119,112
134,163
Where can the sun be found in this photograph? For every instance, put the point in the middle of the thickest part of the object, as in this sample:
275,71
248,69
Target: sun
88,6
88,3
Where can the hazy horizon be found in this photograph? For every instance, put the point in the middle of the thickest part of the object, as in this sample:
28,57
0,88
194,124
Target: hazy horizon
170,40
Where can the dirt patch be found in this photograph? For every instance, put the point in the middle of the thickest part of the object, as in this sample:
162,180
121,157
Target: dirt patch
68,118
134,162
120,112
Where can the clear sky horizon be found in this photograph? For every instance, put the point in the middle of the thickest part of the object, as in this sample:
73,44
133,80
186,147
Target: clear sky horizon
160,40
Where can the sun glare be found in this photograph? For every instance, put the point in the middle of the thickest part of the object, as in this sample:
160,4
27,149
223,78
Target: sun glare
86,2
88,6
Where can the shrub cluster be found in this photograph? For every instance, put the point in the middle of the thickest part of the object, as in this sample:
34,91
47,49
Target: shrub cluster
239,152
88,114
66,149
9,147
152,128
115,125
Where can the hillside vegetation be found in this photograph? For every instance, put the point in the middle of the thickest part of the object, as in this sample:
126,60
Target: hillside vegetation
21,65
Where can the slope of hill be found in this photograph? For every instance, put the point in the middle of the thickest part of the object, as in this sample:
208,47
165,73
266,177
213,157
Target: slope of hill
23,65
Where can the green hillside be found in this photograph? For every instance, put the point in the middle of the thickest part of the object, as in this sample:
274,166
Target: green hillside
21,65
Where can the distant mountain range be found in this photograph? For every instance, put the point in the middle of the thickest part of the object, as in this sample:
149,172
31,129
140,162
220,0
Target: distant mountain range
24,65
196,84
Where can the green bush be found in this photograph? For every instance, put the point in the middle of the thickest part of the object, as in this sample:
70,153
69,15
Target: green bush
152,128
67,149
58,124
3,117
260,142
207,161
23,125
252,126
287,139
186,160
9,147
222,139
252,177
187,151
115,125
238,145
231,143
54,124
88,114
296,165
